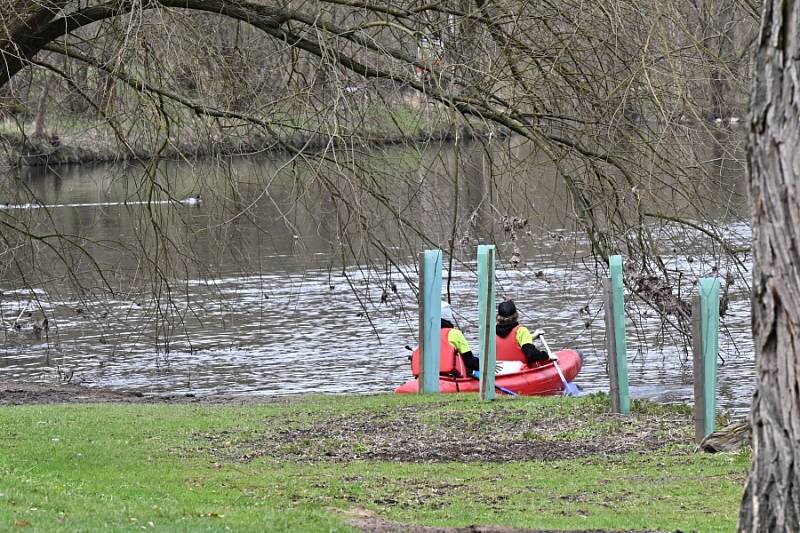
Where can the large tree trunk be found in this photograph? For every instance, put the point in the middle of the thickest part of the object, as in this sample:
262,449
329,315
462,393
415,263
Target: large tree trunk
41,109
771,501
26,26
19,21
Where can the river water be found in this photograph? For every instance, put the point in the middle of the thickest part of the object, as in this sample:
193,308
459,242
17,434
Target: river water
269,286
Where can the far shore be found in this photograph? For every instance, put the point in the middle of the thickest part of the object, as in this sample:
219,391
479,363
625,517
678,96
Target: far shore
51,152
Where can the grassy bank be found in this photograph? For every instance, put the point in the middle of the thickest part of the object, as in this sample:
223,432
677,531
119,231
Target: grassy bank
72,139
311,464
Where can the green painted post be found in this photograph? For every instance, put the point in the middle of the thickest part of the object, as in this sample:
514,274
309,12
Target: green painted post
430,318
611,345
709,327
486,306
697,368
621,355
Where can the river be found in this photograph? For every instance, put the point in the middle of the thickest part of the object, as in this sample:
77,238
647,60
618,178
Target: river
271,285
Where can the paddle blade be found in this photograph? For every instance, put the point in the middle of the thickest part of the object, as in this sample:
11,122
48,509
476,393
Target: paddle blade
570,389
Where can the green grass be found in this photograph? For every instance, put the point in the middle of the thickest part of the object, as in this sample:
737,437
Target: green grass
179,468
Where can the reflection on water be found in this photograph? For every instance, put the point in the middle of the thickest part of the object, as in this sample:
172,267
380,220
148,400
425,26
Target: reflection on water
274,306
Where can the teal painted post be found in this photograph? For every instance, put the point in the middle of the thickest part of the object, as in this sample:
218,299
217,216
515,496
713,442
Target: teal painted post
486,306
709,327
697,367
611,345
621,355
430,317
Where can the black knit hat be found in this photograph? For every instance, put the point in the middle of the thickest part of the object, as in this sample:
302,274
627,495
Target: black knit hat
506,308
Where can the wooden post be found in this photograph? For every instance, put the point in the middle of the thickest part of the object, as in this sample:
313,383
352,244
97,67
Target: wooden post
697,367
611,346
430,318
705,343
620,354
486,311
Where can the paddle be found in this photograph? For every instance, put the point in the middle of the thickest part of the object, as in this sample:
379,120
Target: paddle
506,391
570,389
477,375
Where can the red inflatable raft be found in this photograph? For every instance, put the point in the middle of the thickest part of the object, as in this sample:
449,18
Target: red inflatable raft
540,380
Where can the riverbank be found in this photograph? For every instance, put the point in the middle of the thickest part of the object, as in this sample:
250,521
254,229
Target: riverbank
76,140
19,393
49,152
369,463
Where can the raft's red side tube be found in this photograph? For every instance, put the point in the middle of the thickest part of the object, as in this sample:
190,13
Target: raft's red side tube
540,380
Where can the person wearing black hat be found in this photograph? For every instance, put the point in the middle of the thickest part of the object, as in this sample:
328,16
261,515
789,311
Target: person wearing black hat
515,342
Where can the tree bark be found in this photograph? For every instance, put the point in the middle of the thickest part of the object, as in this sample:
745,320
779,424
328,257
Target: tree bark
41,109
771,501
19,22
26,27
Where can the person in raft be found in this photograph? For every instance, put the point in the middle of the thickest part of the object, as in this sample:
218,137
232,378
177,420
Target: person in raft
457,344
452,344
515,342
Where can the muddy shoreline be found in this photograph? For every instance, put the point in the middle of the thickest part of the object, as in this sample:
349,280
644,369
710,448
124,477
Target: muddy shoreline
21,393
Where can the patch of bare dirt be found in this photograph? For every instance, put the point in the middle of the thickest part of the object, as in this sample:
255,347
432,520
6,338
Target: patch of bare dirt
431,433
372,524
376,525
